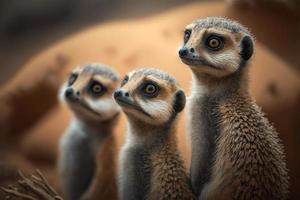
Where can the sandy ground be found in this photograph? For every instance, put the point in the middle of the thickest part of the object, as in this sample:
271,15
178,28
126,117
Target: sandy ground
153,42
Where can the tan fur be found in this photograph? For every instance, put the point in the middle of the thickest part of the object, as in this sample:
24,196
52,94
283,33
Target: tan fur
104,184
84,79
166,92
169,179
227,59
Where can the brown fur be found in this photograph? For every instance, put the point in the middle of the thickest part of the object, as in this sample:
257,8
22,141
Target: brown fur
169,179
249,161
104,184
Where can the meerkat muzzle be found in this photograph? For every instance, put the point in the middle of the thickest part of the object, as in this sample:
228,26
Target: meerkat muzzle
71,95
123,99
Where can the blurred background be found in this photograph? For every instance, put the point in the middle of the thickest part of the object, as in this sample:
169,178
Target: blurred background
42,40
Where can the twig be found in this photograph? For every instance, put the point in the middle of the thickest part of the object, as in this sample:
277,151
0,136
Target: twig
46,182
35,188
39,183
15,192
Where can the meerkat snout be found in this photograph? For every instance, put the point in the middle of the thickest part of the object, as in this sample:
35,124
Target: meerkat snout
185,52
69,92
70,95
119,94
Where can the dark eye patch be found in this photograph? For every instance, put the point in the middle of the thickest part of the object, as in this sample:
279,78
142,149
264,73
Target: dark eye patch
149,89
125,80
96,89
73,77
187,35
214,42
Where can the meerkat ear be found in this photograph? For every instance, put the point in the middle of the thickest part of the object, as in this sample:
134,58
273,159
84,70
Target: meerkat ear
247,47
179,101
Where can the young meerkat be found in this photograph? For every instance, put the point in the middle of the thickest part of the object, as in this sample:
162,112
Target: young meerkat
87,148
236,153
150,164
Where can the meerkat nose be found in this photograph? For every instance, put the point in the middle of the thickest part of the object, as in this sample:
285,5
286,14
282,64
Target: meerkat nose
120,94
183,52
117,94
69,92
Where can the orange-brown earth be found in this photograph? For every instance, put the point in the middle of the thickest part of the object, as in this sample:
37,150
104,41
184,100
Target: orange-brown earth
153,42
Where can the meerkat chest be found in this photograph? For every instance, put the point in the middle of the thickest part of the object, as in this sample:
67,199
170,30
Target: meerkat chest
203,119
135,172
249,152
204,131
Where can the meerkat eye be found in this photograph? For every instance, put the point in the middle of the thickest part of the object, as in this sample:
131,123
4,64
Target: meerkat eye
72,79
150,89
214,43
125,80
187,35
96,88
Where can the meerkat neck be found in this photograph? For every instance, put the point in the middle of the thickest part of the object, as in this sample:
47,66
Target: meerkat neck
145,162
207,95
205,84
97,129
150,135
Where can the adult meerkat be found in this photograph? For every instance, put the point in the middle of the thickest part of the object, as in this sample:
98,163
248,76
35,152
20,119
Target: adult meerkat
236,153
87,149
150,164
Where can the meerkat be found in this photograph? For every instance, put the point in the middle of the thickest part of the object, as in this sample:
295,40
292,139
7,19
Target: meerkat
236,153
150,164
87,147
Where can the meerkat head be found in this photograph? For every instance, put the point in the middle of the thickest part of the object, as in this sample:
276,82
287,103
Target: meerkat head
88,92
151,96
216,46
